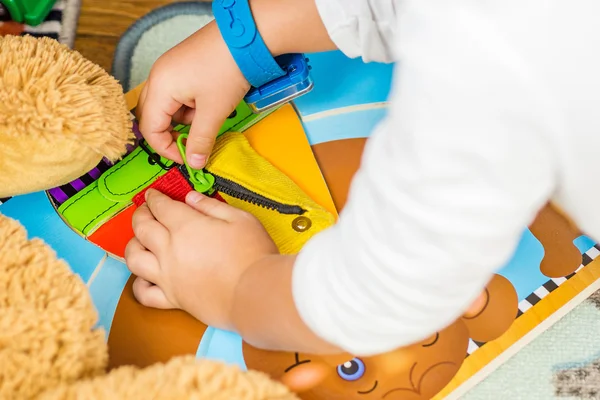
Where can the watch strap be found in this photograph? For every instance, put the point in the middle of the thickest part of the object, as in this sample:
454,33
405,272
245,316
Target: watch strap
246,45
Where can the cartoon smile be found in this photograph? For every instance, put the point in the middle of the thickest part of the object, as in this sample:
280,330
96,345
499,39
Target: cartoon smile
353,370
417,388
370,390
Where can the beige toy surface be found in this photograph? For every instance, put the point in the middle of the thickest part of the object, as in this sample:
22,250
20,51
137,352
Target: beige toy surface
59,115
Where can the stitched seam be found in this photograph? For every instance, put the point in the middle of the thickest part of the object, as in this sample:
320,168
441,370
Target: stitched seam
99,215
89,189
117,168
134,189
83,193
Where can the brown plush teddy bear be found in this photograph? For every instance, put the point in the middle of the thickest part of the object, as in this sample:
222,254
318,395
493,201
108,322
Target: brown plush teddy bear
59,116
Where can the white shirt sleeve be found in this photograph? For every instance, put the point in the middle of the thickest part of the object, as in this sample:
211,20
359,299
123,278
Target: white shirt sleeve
361,28
447,185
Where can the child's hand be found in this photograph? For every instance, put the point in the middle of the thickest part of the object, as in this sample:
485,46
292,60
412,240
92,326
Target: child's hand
191,256
197,82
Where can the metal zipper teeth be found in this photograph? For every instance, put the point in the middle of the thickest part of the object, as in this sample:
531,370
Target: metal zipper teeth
239,192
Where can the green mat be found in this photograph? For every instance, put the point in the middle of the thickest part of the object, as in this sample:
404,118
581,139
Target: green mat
560,363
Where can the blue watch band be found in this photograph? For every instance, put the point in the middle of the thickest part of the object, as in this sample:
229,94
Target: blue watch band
236,23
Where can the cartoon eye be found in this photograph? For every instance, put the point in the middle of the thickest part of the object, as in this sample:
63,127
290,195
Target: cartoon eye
351,370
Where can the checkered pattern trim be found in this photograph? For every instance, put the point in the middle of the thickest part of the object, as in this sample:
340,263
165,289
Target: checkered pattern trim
543,291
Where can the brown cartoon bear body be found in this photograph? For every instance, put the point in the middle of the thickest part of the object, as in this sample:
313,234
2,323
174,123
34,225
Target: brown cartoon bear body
416,372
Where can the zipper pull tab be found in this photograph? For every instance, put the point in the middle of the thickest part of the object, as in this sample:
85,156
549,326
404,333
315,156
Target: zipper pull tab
201,180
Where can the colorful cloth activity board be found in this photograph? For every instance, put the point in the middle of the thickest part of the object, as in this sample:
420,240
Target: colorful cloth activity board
316,142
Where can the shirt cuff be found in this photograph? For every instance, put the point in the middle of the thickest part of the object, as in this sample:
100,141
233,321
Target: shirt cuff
340,27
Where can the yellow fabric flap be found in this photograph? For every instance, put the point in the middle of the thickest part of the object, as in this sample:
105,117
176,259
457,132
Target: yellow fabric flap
235,160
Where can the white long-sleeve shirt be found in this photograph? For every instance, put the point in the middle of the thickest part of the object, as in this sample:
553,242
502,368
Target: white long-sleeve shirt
495,109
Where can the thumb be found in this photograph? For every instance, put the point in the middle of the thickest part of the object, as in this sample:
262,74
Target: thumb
201,139
211,207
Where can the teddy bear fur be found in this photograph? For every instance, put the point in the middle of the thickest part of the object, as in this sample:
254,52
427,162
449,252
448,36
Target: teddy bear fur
50,349
60,115
54,102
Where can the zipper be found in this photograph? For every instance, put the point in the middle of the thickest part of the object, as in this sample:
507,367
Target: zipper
205,182
200,180
242,193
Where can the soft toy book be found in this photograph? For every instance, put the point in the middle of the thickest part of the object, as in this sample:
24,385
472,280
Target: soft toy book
291,169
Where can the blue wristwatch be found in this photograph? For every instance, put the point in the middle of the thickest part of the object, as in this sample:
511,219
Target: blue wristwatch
236,24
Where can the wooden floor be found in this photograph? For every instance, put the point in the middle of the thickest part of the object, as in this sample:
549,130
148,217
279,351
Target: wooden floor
102,22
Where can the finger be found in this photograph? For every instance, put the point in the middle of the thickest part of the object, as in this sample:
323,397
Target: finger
169,213
203,131
150,295
185,115
150,232
141,262
212,207
155,123
141,101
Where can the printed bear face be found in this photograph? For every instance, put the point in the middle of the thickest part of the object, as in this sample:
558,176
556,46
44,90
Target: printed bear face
416,372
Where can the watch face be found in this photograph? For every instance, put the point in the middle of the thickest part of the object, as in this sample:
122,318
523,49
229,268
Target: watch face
286,95
295,83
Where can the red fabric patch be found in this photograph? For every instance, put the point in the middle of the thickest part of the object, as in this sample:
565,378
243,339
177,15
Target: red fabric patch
172,184
114,235
217,196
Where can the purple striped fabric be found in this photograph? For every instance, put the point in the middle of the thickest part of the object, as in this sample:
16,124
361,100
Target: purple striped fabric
95,173
136,130
65,192
78,184
58,195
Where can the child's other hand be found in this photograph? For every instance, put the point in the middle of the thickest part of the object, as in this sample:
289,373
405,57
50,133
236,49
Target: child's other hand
191,256
197,82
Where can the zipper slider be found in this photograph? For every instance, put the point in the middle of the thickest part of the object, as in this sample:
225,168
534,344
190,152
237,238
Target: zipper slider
201,180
